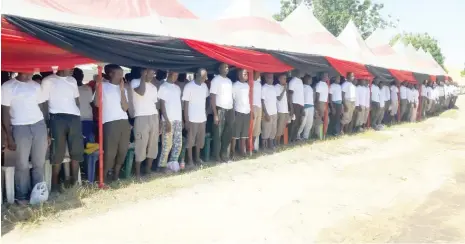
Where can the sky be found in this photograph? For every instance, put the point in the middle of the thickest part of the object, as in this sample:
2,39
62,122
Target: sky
442,19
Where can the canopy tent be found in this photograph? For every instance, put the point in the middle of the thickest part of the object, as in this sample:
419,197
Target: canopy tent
303,25
420,72
128,42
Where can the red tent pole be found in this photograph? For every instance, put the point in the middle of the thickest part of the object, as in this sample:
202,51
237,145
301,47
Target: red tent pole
251,84
100,127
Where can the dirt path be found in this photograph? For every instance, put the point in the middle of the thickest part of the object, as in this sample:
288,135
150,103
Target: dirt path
406,184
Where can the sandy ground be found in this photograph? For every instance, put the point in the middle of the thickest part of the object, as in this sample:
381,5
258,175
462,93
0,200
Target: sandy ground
405,184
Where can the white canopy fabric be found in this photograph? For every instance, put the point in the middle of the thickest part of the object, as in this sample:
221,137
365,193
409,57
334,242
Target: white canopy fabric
303,25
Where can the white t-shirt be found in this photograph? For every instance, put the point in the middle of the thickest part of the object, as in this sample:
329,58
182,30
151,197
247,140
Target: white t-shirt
197,97
394,92
441,91
382,98
270,99
323,90
111,102
350,91
375,93
424,91
429,93
308,94
241,97
367,96
336,92
61,94
281,105
409,95
144,105
23,98
403,92
386,93
297,87
222,88
257,93
360,97
416,95
85,98
171,94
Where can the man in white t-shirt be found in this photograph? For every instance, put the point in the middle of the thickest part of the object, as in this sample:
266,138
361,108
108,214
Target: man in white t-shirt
146,120
309,108
360,104
116,128
404,108
270,112
349,95
442,96
61,92
423,99
257,109
283,108
25,131
85,106
415,103
430,98
195,114
169,97
242,109
410,102
321,99
375,104
221,102
335,104
394,101
367,103
296,97
387,101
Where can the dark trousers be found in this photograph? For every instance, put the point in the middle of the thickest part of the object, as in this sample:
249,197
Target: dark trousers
335,120
295,125
115,144
222,132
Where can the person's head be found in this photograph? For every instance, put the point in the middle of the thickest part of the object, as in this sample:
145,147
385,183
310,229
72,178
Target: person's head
381,84
323,76
223,69
350,77
282,78
147,74
242,75
182,77
307,79
45,74
296,73
172,76
37,78
114,73
24,76
65,72
376,82
269,78
201,75
78,74
336,79
397,83
256,75
6,76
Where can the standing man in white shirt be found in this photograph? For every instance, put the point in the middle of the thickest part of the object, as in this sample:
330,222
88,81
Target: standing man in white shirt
25,131
415,103
430,98
403,101
375,103
394,101
61,92
348,101
367,102
387,102
169,97
116,128
221,101
283,108
195,114
242,109
321,100
270,112
85,106
296,92
257,109
442,96
424,99
146,120
410,102
335,98
307,122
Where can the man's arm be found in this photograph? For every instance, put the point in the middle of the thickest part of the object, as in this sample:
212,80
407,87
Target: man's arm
186,111
213,106
267,116
124,100
6,123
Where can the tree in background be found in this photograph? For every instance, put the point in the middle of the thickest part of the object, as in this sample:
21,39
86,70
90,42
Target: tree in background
335,14
424,41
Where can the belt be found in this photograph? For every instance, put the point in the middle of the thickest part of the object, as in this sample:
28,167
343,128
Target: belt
337,102
308,106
